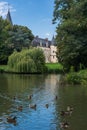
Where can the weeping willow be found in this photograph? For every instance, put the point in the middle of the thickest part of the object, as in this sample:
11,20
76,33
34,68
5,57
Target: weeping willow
27,61
26,66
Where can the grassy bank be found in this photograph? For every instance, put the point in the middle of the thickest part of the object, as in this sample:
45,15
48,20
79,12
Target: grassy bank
69,78
51,68
3,68
54,68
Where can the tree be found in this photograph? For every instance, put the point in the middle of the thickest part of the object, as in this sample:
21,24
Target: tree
20,36
27,61
13,37
71,19
38,56
5,49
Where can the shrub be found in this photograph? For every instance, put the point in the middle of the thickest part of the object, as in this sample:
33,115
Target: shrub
26,66
73,78
77,77
27,61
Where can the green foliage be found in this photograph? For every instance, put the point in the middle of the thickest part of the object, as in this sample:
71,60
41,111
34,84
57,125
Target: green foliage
20,36
26,65
77,77
5,51
73,78
3,68
71,32
12,37
27,61
72,69
38,56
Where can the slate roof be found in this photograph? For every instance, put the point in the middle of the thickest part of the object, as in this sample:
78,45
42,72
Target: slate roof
41,42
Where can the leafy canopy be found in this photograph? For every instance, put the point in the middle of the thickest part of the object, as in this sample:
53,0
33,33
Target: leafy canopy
71,19
13,37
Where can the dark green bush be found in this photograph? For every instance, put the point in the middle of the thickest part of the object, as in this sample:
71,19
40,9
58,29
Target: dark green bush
77,77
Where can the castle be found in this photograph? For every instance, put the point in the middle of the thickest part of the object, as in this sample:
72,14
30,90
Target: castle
49,47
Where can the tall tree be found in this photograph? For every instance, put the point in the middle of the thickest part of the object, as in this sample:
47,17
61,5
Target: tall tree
20,36
5,49
71,16
12,37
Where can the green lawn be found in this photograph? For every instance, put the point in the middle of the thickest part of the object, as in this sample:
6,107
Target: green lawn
54,67
3,67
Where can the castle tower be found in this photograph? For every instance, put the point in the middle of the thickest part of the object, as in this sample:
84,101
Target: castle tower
53,41
53,50
8,17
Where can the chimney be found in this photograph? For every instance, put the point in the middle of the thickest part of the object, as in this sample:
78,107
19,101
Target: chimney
46,39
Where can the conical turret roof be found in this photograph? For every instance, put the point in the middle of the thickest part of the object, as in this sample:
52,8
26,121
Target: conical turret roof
9,17
53,41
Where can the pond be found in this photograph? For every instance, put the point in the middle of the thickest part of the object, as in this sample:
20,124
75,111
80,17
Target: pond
20,93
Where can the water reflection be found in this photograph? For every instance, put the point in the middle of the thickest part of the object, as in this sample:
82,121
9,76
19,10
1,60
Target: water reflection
14,92
49,97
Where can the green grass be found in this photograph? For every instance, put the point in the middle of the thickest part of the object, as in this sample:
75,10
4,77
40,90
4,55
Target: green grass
3,67
54,67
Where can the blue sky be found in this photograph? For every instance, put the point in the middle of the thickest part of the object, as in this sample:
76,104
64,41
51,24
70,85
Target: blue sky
37,15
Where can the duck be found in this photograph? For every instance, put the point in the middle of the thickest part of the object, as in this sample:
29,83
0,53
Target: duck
69,108
20,108
64,113
46,105
11,119
56,97
29,97
64,125
33,106
14,97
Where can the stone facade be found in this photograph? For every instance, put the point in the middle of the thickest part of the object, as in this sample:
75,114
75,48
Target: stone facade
49,48
53,57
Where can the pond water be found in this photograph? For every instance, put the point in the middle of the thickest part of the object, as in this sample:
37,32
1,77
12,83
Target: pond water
15,91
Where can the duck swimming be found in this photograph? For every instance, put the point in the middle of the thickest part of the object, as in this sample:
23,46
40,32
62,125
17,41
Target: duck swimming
64,125
56,97
11,119
20,108
65,113
33,106
69,108
46,105
29,97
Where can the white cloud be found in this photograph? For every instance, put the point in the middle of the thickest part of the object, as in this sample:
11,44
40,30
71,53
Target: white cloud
4,8
47,34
